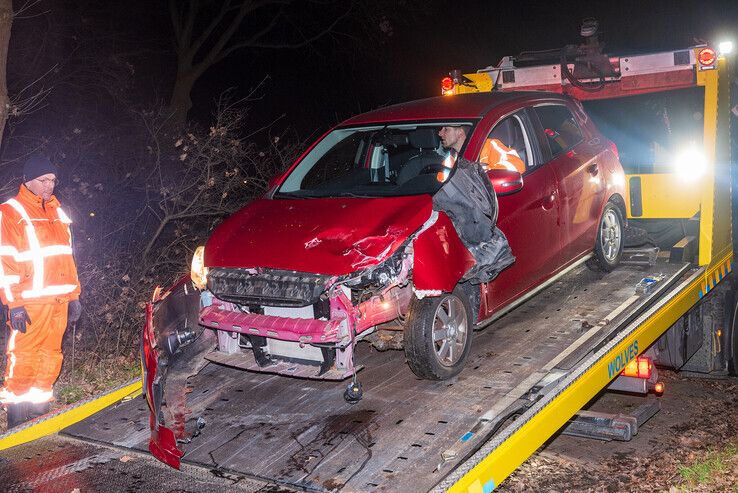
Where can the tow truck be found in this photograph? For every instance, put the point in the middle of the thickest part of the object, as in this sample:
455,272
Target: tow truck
673,304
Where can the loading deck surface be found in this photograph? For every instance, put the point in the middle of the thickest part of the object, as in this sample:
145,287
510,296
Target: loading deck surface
302,433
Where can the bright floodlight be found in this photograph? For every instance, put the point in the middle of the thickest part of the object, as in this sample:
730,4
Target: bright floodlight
690,164
725,47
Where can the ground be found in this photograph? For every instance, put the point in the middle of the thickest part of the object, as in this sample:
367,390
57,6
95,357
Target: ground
690,445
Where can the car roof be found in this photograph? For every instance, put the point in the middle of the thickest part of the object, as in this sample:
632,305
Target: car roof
470,106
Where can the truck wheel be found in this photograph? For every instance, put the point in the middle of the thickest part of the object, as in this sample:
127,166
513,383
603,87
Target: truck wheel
438,335
609,243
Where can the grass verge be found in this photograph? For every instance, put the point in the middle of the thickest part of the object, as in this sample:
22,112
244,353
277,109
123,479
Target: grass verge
716,469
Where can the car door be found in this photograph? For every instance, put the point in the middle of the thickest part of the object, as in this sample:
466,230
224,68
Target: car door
528,217
573,159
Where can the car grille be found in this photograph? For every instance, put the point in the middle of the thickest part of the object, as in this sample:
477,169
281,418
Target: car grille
266,287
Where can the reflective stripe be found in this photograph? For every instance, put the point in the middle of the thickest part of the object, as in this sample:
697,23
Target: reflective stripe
5,281
49,291
34,245
47,251
63,216
503,155
11,353
33,396
36,255
7,250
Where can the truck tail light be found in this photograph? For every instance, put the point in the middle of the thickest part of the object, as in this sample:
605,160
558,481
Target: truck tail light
659,388
638,368
707,57
447,86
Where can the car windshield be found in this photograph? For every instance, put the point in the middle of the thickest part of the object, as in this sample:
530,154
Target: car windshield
376,161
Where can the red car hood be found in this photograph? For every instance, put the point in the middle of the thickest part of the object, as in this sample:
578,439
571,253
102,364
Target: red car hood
324,236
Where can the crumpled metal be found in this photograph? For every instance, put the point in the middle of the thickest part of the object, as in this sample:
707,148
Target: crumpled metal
470,202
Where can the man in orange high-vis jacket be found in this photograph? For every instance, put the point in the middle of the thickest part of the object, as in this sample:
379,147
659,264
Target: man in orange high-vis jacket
39,284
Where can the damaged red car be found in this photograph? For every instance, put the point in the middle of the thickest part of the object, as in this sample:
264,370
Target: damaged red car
379,233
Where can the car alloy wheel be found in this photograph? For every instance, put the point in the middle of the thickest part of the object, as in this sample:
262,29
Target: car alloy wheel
438,335
611,235
450,330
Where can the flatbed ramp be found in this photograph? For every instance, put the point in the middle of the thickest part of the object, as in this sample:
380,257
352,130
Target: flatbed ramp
406,434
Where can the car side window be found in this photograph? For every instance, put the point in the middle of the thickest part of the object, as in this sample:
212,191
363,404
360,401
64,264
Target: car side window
507,146
559,126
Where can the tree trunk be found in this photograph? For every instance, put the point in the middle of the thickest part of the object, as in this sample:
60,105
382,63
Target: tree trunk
6,22
180,103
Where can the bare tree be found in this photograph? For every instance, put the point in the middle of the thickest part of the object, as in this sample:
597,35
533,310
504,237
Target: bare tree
6,22
206,32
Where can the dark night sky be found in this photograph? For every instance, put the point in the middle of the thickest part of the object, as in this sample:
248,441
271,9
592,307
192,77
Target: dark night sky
318,88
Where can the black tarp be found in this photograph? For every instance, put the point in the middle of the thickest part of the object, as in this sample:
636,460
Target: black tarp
470,202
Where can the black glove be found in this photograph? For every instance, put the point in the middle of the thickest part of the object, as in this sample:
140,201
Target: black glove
19,318
74,311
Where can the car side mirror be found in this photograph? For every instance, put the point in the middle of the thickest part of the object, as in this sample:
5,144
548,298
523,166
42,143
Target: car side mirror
505,181
274,180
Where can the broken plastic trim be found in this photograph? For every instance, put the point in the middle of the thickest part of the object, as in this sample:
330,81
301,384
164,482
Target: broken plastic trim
173,348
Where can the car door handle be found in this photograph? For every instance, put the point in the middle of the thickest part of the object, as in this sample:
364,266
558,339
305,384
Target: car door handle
592,169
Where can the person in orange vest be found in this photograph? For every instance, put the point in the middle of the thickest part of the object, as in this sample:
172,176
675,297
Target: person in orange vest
496,155
40,287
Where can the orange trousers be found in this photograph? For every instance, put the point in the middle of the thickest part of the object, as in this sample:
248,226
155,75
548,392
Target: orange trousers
35,357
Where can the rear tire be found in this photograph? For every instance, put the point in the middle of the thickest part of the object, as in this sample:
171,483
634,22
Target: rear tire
438,335
609,242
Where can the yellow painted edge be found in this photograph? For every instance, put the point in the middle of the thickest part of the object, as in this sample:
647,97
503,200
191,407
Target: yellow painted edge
501,462
707,210
68,417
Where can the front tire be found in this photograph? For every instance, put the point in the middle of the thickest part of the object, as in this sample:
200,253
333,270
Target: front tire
438,335
609,242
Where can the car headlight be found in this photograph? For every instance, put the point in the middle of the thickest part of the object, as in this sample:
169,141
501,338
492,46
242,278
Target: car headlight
690,164
198,271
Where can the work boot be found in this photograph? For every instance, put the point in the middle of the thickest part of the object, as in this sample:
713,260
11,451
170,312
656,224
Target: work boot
36,410
17,414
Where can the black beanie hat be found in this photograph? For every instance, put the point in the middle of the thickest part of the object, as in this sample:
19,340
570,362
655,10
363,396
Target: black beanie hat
38,165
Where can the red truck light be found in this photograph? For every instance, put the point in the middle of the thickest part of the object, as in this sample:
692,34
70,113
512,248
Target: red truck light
707,57
639,368
447,86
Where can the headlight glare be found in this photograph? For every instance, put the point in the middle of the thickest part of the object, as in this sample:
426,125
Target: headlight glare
198,271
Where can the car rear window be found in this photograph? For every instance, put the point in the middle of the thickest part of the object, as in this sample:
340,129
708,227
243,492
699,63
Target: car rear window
560,127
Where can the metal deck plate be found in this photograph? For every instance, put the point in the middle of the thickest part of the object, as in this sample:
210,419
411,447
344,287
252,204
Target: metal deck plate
301,432
58,464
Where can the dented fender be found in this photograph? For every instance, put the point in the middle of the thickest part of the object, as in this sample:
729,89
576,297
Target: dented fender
440,259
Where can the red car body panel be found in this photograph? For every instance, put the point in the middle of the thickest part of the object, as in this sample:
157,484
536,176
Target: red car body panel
470,106
333,236
440,258
530,220
162,443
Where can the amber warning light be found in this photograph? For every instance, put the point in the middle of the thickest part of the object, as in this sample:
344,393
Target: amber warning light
447,86
639,368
